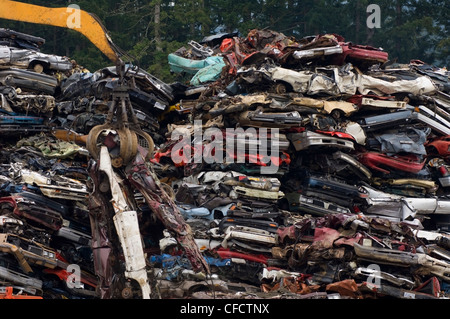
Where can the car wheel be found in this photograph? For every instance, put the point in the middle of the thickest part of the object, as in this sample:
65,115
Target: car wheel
38,68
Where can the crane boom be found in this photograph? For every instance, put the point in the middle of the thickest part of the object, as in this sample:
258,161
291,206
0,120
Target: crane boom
134,144
89,25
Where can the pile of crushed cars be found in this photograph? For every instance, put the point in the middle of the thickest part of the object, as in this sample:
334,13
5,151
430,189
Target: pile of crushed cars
338,187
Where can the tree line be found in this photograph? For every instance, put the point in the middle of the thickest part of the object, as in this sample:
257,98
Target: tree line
150,30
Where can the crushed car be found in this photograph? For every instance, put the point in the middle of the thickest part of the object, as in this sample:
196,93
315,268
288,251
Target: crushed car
356,204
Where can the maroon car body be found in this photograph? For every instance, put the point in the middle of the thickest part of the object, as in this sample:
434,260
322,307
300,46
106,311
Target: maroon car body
359,54
41,215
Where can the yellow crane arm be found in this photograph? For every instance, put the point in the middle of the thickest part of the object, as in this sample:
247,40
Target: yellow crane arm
66,17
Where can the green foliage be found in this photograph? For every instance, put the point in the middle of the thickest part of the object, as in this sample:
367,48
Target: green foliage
410,29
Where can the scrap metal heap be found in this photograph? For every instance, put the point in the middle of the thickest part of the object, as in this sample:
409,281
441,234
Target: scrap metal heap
339,186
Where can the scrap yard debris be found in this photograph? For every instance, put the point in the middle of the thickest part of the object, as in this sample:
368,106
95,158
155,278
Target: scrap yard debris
277,167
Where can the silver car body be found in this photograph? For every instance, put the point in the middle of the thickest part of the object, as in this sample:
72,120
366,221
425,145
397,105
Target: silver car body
24,58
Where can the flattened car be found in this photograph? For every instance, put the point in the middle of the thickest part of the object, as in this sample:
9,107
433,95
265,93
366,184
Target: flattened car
30,59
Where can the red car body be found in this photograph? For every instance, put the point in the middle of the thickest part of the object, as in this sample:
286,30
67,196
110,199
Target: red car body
8,293
381,162
439,146
227,253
